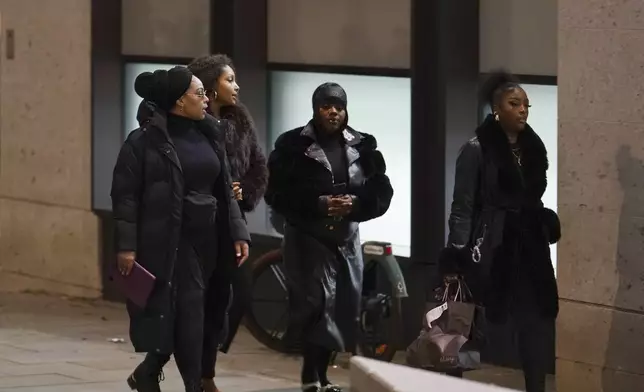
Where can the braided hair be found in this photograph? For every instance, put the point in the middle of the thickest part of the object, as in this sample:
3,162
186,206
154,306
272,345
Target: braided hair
497,83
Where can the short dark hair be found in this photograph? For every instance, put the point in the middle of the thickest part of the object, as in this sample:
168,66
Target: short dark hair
496,84
209,68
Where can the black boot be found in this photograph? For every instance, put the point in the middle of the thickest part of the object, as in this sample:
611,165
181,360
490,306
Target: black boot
311,387
147,376
324,360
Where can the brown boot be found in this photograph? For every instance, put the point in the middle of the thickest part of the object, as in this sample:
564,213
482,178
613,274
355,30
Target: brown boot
208,385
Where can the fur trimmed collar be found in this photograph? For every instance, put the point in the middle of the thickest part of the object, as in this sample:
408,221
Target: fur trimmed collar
531,175
298,140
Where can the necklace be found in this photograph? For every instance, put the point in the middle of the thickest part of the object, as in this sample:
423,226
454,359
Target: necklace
516,151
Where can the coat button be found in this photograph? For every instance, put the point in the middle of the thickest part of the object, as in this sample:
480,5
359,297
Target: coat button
162,316
331,227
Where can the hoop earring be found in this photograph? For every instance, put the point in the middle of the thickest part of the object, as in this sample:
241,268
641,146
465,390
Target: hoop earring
214,95
496,116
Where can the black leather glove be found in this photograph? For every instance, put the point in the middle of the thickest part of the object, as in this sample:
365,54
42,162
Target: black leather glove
454,261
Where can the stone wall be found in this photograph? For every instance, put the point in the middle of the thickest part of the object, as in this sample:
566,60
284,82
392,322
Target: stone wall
601,196
166,28
48,234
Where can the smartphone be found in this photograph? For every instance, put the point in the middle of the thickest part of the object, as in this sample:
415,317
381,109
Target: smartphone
339,189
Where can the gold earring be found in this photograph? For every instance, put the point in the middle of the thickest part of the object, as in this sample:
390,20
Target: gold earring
496,116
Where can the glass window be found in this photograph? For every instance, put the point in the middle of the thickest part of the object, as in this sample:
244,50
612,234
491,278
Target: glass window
543,119
380,106
131,98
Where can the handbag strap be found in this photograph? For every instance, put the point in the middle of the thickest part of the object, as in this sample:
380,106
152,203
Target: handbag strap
459,295
463,293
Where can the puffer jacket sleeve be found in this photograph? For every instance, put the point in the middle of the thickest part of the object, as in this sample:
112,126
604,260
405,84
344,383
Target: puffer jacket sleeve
237,223
126,194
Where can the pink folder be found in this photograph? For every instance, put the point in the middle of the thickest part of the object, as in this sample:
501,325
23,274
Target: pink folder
137,286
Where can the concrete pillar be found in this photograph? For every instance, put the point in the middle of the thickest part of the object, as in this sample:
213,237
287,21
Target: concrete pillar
48,233
600,336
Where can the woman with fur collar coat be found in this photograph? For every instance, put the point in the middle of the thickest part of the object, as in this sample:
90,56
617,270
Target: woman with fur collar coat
325,179
247,163
499,230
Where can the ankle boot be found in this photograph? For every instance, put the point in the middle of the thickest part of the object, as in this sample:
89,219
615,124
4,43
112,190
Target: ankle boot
147,376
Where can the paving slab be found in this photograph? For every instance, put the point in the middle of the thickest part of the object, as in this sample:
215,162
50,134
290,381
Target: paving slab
32,380
52,344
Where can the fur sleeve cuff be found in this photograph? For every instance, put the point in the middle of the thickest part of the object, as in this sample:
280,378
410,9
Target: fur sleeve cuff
551,224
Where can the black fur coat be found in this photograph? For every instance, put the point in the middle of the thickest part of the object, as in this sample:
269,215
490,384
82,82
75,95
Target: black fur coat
497,210
246,158
321,254
247,164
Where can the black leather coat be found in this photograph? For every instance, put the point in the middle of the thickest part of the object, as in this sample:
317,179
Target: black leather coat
498,218
322,256
147,201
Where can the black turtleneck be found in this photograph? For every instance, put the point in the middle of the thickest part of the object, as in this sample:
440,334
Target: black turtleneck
333,146
199,161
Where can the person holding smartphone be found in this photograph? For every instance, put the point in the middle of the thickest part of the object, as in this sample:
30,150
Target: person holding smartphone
325,178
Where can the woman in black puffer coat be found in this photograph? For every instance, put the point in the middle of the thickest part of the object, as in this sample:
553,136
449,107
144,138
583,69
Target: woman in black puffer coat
176,216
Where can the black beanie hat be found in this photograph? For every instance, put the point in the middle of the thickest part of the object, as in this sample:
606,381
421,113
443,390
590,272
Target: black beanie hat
329,93
163,87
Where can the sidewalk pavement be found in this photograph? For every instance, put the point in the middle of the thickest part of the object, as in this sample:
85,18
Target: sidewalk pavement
54,344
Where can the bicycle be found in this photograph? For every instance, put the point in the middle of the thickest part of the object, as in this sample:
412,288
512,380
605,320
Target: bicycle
381,314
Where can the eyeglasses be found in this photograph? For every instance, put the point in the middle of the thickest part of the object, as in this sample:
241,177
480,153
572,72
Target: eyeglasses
201,93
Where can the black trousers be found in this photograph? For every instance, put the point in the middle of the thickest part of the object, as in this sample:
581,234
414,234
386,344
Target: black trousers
216,305
227,298
532,332
189,276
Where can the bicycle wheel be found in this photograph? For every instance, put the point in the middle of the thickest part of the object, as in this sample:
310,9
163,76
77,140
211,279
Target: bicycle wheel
380,316
267,315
